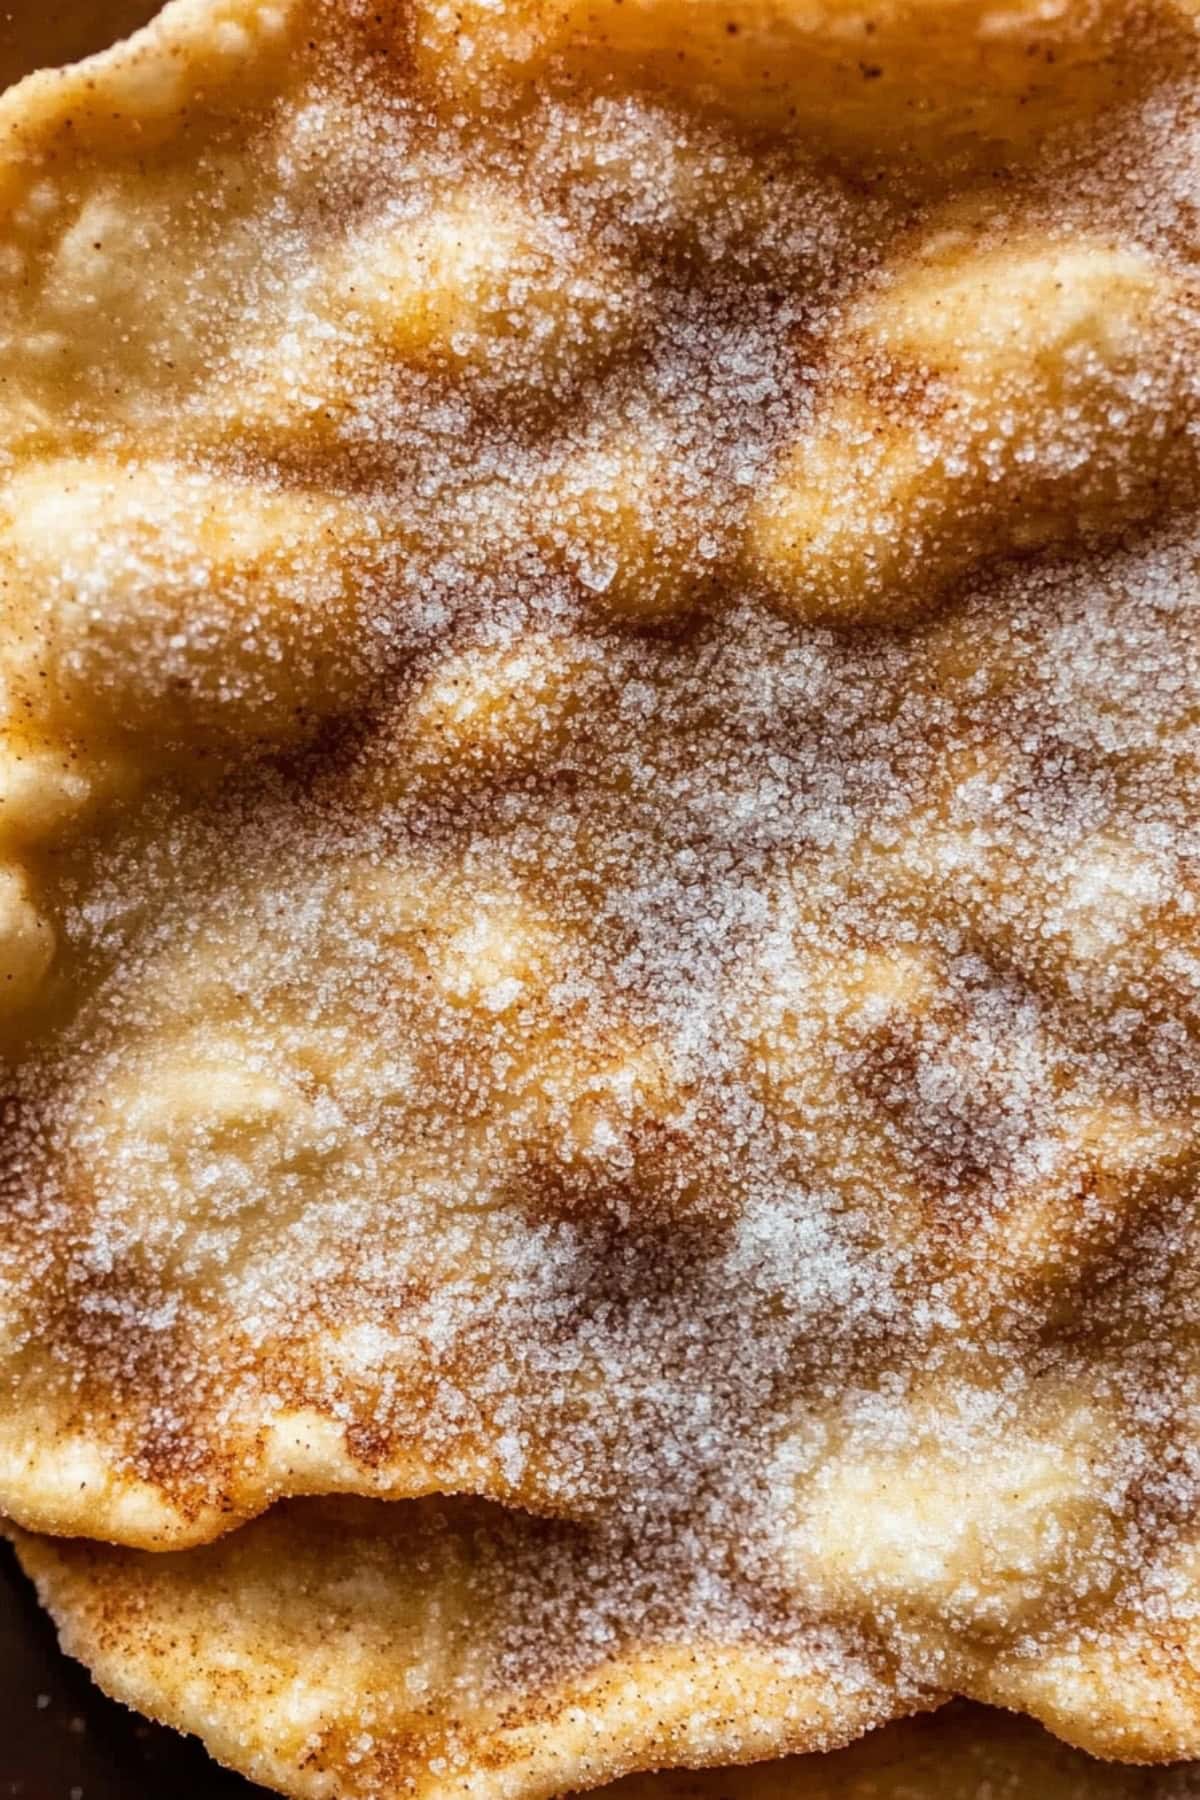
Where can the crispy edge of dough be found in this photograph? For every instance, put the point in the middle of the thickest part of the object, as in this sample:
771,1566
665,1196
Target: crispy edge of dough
116,1610
195,1640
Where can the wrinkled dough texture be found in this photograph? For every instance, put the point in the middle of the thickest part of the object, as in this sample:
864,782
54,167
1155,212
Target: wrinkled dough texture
431,1647
598,780
348,1648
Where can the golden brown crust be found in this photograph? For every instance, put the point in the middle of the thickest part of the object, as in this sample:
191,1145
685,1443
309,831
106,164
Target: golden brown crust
371,1651
597,806
947,83
349,1646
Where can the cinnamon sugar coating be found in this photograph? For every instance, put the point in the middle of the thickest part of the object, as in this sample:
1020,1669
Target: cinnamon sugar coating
598,802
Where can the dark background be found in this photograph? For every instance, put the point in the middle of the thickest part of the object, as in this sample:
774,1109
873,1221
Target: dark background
60,1739
36,32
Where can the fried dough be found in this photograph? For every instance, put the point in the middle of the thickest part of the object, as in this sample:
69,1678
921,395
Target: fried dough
363,1649
598,794
427,1648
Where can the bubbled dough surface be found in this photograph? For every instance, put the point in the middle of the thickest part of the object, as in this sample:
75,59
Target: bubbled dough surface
557,942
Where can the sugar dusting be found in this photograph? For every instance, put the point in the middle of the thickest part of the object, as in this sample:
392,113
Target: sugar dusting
600,1034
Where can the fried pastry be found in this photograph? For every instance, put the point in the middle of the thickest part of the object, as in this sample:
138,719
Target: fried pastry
959,1753
363,1649
598,790
354,1648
